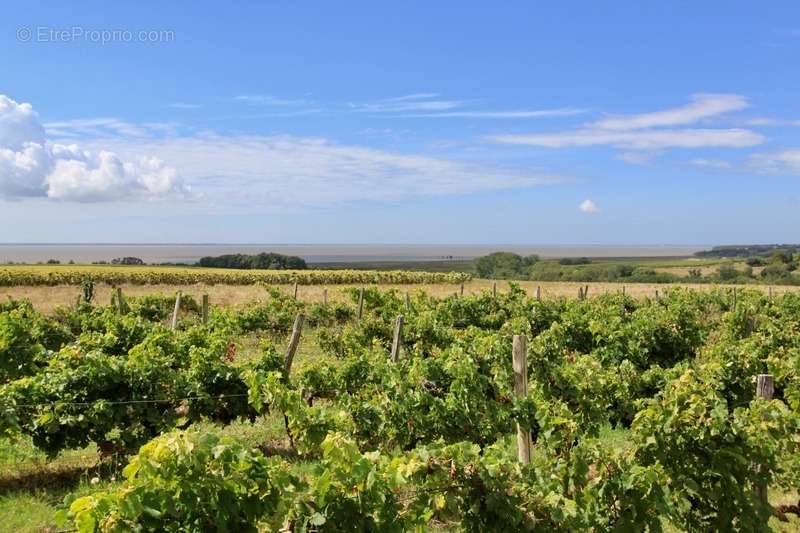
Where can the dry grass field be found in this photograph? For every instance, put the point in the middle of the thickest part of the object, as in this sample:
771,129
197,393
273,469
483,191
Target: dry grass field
46,299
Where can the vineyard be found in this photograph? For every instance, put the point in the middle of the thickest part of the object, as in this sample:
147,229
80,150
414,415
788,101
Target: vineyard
498,411
50,275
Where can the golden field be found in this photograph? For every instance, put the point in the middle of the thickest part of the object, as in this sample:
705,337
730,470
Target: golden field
46,298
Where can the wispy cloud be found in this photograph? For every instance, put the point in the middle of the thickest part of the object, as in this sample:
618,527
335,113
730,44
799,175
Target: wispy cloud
107,126
652,131
769,121
701,106
718,164
418,102
635,158
537,113
640,140
784,162
431,105
413,96
184,105
269,100
287,171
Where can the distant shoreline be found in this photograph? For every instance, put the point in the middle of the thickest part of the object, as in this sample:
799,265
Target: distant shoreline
325,253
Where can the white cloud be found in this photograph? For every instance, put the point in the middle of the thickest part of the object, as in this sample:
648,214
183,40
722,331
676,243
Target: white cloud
768,121
701,106
635,158
538,113
269,100
106,127
413,96
783,162
184,105
650,131
429,105
286,171
588,206
30,166
404,104
710,163
640,140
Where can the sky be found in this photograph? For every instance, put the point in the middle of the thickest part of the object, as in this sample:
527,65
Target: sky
406,122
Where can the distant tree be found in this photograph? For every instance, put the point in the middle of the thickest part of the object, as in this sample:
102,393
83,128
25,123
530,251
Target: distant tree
127,261
271,261
574,261
53,262
504,265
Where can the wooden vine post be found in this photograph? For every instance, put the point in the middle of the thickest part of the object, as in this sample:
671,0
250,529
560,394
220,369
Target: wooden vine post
120,302
294,342
494,289
520,361
324,296
205,309
360,303
765,387
295,290
408,300
176,310
734,298
462,289
397,342
539,292
580,293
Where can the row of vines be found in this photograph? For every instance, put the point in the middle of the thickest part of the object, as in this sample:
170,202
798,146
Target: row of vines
427,441
51,275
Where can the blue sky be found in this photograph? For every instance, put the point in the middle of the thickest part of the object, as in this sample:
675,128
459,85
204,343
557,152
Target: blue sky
420,122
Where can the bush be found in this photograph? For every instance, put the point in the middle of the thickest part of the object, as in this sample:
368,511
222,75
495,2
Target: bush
574,261
504,265
727,273
260,261
127,261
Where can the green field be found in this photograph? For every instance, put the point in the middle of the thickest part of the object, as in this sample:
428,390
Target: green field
642,413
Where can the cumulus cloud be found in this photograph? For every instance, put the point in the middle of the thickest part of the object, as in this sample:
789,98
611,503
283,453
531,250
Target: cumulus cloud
588,206
653,131
31,166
